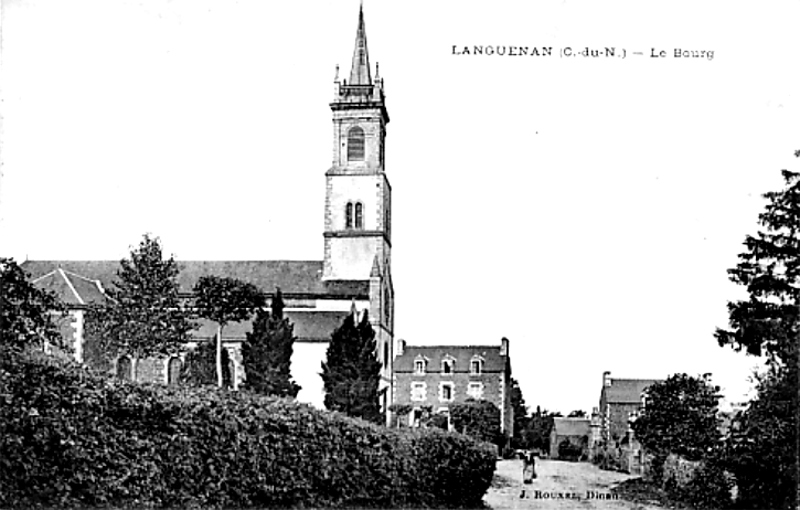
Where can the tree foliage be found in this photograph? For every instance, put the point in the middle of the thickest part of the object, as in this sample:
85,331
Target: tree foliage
537,432
764,447
578,413
680,416
520,415
770,271
351,370
144,317
200,366
267,352
477,418
224,300
26,312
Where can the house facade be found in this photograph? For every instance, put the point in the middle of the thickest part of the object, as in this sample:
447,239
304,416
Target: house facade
620,399
355,269
439,376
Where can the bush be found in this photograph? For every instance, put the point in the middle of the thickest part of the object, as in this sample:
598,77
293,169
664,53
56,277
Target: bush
71,438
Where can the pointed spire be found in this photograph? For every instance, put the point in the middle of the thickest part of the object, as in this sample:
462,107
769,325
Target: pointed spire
360,72
354,311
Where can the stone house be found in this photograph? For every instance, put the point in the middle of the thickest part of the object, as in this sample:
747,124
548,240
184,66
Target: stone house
442,375
620,399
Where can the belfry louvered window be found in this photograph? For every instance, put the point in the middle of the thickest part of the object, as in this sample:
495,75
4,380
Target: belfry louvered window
348,215
359,216
355,144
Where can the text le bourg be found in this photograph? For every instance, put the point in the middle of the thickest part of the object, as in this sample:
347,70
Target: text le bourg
570,51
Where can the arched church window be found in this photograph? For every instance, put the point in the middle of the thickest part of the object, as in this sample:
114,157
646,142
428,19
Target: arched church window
124,367
386,305
348,215
355,144
359,215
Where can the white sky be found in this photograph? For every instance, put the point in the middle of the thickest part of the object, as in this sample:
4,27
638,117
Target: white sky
586,209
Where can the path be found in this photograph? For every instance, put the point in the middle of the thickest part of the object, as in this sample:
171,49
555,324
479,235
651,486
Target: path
559,485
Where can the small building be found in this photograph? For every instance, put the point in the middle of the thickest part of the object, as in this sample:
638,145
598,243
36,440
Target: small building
438,376
620,399
575,431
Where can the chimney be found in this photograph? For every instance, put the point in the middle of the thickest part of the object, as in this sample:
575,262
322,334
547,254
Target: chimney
504,347
401,347
606,379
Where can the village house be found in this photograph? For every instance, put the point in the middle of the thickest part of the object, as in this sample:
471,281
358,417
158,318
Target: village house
438,376
620,400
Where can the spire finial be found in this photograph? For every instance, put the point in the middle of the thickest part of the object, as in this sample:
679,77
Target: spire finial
360,72
377,71
336,78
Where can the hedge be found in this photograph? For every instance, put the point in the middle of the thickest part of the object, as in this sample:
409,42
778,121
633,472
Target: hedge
69,437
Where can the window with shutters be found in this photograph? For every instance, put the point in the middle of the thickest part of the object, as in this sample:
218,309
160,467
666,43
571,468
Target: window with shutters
445,392
355,144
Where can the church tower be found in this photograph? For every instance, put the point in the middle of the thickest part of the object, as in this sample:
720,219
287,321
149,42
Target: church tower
358,194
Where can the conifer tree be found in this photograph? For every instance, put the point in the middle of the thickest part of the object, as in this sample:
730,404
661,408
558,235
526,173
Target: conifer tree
351,372
267,352
765,445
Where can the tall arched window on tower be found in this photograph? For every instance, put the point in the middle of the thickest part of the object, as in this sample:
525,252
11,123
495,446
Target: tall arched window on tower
355,144
359,215
348,215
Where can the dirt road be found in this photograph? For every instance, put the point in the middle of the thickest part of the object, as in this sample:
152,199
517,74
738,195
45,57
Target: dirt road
559,485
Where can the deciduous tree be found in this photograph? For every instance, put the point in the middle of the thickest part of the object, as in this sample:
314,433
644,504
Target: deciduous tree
200,366
145,316
477,418
26,312
224,300
351,370
680,416
267,352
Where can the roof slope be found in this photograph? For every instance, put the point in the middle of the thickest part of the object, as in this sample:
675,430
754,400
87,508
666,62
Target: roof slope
627,391
571,426
294,277
309,326
71,288
463,354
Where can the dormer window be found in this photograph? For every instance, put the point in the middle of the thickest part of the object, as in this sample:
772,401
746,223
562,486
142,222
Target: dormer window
355,144
476,366
448,366
419,366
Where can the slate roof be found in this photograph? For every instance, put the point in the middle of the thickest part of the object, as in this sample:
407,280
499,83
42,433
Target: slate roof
309,326
572,426
627,391
493,361
294,277
70,288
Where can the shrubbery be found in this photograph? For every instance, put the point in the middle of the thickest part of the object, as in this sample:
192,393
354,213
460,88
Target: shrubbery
68,437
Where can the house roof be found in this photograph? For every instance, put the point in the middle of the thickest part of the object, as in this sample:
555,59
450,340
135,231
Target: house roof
309,326
627,391
463,354
294,277
571,426
70,288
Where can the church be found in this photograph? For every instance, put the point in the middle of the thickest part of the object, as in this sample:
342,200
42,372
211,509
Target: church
355,269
